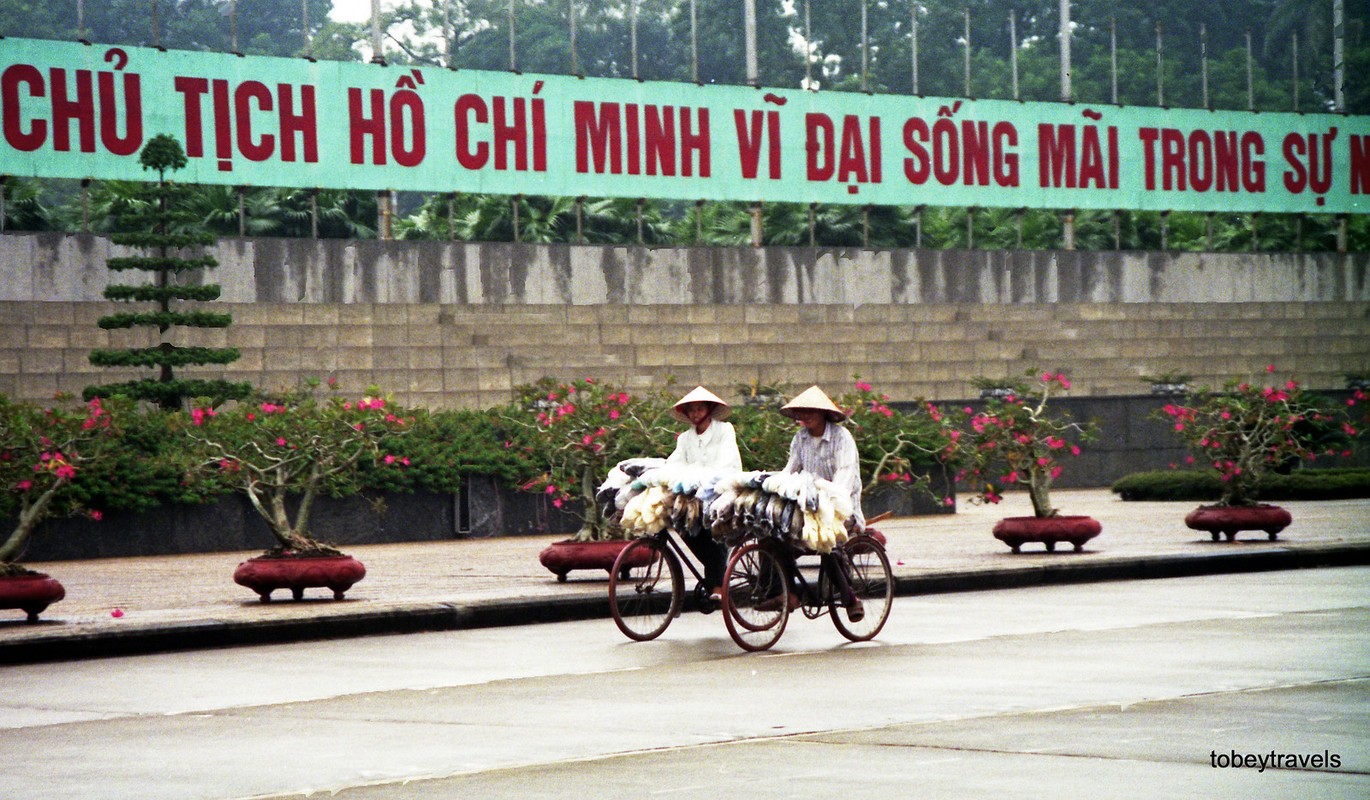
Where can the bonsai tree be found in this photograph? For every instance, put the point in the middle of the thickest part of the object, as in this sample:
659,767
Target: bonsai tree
284,452
892,443
576,431
163,236
1016,441
42,450
1246,430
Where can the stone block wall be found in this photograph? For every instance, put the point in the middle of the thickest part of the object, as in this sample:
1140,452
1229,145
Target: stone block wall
441,355
455,324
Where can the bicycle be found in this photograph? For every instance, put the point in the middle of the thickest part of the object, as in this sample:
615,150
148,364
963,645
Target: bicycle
761,573
647,587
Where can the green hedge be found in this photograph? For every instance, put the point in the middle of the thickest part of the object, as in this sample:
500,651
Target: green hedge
1307,484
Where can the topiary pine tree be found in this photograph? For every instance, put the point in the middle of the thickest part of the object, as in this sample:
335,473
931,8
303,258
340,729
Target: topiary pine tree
163,233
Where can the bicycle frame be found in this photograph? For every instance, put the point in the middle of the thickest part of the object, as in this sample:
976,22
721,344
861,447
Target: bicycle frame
827,563
682,553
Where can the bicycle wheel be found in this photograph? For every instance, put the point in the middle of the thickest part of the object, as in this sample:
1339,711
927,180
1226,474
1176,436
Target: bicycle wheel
645,589
871,582
756,600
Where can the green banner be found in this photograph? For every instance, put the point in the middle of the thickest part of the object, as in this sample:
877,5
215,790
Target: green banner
69,110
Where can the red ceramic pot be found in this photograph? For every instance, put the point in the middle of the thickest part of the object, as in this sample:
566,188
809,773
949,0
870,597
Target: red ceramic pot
31,593
568,554
265,574
1227,520
1016,531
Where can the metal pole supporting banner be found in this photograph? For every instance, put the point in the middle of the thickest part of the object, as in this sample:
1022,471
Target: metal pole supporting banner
1339,57
1013,48
694,42
967,17
913,45
1160,70
1250,82
749,25
1203,62
377,51
1113,57
1065,51
865,47
575,56
808,49
1294,62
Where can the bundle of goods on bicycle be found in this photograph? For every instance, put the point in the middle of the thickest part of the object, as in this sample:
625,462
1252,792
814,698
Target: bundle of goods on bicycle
794,506
646,495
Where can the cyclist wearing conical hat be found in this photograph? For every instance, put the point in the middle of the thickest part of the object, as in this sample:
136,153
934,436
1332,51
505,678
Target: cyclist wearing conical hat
825,448
709,442
712,443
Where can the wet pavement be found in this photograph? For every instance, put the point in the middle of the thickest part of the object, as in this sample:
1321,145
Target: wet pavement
138,605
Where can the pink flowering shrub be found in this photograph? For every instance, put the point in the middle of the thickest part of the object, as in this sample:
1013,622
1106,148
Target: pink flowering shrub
893,443
1015,441
1246,429
296,447
576,431
42,450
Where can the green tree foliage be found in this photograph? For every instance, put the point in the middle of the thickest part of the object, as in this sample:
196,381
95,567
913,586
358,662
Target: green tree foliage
264,27
157,215
23,206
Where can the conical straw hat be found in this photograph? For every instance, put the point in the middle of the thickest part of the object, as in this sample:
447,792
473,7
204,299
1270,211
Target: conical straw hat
699,394
813,398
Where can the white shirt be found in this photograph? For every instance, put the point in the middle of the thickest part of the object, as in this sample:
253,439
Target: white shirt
715,448
832,456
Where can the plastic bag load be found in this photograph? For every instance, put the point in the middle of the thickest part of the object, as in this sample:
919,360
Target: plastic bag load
647,497
794,506
610,495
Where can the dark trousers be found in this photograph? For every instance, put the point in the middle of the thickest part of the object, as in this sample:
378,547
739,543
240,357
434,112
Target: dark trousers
711,554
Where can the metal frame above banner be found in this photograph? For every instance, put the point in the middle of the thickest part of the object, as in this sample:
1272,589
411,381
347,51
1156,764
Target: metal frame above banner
71,110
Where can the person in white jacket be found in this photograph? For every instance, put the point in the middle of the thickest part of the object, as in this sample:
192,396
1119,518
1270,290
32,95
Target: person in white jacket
711,443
